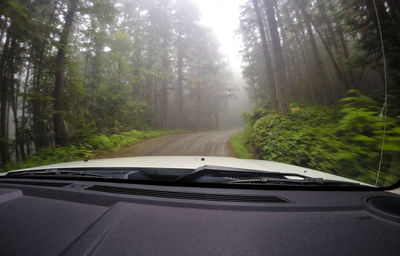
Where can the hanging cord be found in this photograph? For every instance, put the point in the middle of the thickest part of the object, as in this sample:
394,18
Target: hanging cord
384,107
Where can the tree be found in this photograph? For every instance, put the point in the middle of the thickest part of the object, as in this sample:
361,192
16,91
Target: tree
320,81
271,88
60,133
282,84
70,68
320,48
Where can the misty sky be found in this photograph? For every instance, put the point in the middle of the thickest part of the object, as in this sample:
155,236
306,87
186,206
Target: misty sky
223,17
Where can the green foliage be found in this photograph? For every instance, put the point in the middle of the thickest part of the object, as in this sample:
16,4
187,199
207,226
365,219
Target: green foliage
344,140
83,132
89,147
119,72
238,143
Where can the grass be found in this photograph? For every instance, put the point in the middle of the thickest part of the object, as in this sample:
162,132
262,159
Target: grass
88,148
238,143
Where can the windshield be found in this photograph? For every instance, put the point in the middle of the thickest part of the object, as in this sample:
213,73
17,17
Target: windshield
310,83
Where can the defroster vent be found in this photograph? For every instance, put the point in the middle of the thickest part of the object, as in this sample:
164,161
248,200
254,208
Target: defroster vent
188,196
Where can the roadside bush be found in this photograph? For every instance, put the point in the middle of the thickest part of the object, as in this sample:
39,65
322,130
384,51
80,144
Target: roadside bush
238,143
100,142
89,147
344,140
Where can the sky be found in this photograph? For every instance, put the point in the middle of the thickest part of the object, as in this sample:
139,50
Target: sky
223,17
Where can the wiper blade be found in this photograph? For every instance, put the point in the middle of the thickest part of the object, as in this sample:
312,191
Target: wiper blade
221,171
278,180
305,181
228,175
55,172
215,170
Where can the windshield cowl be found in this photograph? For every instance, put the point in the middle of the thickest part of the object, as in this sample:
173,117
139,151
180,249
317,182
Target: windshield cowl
184,163
206,174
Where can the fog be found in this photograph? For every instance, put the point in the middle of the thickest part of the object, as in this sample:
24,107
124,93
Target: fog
231,113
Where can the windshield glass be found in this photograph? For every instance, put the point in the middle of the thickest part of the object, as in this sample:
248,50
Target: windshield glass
310,83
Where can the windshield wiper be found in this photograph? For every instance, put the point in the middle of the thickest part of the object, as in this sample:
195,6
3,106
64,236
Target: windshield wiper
204,174
227,175
305,181
55,172
221,171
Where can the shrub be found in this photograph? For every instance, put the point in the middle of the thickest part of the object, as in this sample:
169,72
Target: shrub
344,140
90,146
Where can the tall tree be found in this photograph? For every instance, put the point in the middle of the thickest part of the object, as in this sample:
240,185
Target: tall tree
321,83
282,84
71,68
60,132
271,87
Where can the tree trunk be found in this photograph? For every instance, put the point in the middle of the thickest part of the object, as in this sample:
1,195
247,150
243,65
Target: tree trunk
4,102
179,83
341,76
287,56
320,79
164,85
3,30
283,104
304,62
39,64
23,117
328,24
38,125
270,90
60,133
13,95
345,50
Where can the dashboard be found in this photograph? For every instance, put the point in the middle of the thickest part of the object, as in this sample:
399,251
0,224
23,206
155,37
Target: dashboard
75,217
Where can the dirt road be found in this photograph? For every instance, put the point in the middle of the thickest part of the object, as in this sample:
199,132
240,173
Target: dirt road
212,143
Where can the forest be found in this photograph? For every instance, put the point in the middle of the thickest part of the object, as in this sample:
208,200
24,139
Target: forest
323,76
71,68
319,71
314,51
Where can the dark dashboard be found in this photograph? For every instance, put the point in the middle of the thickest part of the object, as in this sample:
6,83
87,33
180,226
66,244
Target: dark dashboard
70,217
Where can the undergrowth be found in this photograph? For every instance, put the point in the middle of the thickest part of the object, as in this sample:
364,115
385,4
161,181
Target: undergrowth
86,147
238,143
344,140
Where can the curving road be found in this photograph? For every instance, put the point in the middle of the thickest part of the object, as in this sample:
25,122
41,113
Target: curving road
211,143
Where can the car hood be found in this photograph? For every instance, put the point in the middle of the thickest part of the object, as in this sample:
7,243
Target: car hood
192,162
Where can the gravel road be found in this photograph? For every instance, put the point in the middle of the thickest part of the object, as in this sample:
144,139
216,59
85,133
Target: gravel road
210,143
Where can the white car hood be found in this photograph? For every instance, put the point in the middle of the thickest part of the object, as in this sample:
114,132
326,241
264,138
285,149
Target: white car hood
192,162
